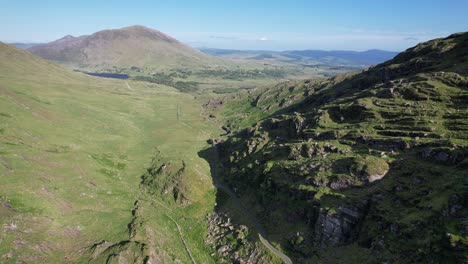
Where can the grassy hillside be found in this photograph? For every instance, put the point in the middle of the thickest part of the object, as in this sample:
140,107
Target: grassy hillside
367,167
73,150
24,45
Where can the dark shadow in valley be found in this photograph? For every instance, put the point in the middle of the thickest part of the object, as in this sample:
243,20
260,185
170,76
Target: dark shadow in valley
242,216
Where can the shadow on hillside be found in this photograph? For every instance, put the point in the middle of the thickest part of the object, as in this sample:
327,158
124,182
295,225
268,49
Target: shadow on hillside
416,172
228,203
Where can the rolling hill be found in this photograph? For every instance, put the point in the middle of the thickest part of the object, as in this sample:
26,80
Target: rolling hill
22,45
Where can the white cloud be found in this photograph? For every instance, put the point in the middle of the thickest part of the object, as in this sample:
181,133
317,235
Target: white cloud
264,39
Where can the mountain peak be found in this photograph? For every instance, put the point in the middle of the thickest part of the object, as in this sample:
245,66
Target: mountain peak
124,47
134,32
137,27
68,37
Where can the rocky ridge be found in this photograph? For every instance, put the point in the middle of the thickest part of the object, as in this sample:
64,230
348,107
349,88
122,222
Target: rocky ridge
232,242
374,161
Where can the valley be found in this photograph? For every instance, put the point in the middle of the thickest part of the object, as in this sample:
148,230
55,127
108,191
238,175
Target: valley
128,146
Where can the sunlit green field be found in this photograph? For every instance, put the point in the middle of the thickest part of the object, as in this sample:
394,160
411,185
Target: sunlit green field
73,149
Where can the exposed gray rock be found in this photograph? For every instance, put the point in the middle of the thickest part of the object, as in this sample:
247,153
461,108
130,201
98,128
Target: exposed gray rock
442,156
387,144
338,228
214,141
231,241
455,205
340,184
377,176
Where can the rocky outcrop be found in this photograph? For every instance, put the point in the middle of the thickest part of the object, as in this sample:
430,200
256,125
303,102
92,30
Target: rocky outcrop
232,242
337,228
166,180
394,134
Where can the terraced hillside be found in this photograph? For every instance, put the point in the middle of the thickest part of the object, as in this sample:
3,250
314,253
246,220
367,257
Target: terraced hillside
365,167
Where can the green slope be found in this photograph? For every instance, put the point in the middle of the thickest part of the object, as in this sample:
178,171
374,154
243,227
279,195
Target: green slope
73,149
367,167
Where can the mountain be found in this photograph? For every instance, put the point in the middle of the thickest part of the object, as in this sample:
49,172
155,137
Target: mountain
134,46
365,167
149,55
308,57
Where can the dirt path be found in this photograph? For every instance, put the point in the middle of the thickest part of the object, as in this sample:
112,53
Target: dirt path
183,240
128,86
187,249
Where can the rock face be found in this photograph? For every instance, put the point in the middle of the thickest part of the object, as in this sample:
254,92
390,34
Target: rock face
338,228
167,181
375,177
232,242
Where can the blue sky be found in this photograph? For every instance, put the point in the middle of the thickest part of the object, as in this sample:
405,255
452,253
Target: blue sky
275,25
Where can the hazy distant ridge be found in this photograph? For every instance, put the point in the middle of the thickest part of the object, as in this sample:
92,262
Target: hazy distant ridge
334,57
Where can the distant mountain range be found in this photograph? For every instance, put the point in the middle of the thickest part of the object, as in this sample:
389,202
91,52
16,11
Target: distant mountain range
308,57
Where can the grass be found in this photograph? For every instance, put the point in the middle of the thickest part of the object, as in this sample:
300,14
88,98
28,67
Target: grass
73,149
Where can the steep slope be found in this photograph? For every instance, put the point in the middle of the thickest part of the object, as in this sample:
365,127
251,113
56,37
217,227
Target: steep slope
134,46
367,167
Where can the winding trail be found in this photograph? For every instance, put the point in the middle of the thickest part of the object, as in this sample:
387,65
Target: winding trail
251,218
128,86
187,249
182,238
